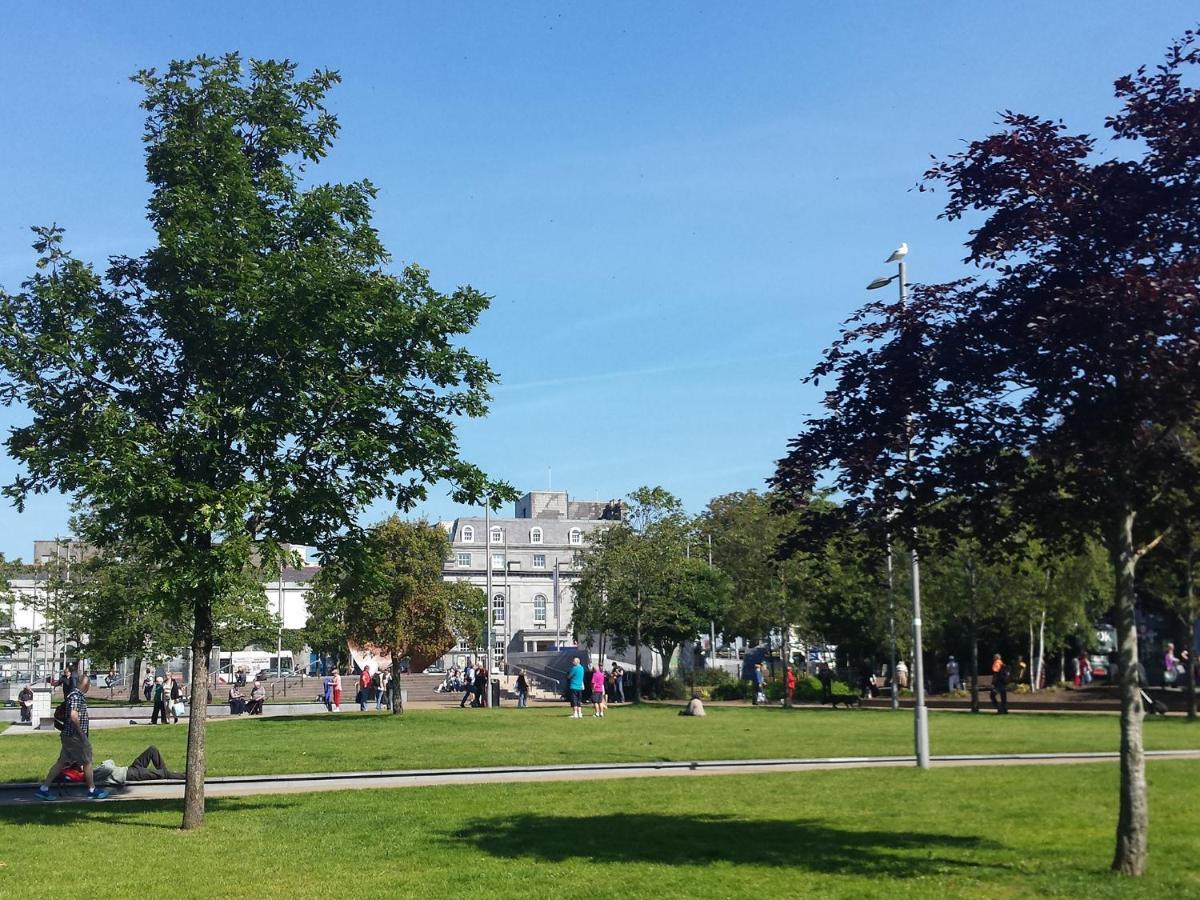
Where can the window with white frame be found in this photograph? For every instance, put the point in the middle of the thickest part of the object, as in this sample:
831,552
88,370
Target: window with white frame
498,609
464,645
575,537
497,560
464,560
497,535
539,560
468,535
535,535
539,609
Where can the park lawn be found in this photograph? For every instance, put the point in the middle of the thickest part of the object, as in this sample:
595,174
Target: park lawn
1001,831
447,738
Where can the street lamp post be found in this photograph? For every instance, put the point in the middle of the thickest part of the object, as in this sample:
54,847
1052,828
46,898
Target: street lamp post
920,714
487,618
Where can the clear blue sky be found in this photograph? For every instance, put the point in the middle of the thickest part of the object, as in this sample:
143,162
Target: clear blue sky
674,205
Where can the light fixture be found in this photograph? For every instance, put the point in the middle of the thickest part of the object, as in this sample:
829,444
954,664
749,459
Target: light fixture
881,281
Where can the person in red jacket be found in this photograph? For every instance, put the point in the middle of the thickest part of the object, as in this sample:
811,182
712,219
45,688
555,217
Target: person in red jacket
337,691
791,684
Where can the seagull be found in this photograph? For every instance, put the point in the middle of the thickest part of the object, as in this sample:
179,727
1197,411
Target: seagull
898,254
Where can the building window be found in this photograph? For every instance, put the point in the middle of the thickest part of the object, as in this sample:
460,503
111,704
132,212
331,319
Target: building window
464,560
576,536
468,535
539,560
539,609
464,645
535,535
498,609
497,560
497,535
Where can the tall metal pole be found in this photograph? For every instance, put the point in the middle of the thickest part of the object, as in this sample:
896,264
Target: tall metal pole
920,714
712,626
487,620
892,625
279,637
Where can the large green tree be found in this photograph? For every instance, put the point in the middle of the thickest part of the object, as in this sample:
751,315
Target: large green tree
258,375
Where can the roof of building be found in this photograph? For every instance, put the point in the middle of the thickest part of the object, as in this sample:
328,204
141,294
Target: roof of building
516,531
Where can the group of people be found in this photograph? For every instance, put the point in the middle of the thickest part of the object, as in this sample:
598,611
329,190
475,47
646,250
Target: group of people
473,683
74,763
240,704
580,680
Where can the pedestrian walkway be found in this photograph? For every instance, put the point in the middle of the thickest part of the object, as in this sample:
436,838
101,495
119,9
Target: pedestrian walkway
253,785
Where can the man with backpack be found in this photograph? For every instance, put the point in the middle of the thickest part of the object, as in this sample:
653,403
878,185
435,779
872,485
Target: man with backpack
76,748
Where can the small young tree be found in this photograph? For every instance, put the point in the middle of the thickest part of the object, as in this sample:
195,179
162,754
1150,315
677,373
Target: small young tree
256,376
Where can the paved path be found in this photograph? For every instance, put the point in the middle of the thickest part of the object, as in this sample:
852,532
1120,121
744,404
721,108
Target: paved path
250,785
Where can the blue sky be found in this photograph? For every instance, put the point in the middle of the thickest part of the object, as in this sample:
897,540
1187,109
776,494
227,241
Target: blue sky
673,205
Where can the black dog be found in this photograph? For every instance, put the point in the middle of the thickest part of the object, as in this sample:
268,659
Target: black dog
847,700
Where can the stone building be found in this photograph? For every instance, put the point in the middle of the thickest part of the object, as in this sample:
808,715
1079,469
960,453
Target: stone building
534,568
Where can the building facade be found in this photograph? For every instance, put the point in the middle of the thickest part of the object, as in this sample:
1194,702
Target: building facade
533,557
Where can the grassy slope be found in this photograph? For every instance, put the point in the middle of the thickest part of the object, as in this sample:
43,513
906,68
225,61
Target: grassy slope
991,832
449,738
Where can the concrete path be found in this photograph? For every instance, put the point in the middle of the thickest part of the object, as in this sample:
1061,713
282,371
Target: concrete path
251,785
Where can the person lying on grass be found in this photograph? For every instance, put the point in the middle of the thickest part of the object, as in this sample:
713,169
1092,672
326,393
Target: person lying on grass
149,766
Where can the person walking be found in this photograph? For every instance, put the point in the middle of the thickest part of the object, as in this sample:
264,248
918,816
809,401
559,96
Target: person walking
337,691
952,680
25,698
364,689
468,683
522,690
902,674
760,681
382,698
481,678
1171,667
575,687
790,686
999,691
825,676
327,692
147,685
160,706
176,700
76,749
598,693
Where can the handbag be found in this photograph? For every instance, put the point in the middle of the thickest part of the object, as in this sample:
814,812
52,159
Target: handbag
178,708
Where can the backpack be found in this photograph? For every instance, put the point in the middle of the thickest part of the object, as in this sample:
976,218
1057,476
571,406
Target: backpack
60,716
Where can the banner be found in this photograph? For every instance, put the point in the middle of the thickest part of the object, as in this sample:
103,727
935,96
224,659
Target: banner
369,657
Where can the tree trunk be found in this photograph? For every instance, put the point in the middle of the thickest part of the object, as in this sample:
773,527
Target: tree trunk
1032,684
1132,822
135,681
394,687
1189,621
637,654
1039,669
787,659
193,794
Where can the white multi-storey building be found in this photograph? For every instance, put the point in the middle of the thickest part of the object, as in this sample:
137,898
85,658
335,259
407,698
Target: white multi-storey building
532,556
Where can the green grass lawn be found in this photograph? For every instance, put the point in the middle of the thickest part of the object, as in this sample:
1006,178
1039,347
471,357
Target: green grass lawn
471,737
1019,831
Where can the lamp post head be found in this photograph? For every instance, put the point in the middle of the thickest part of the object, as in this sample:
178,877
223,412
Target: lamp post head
898,254
881,281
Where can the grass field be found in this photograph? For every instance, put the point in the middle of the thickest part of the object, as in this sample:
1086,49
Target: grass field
451,738
1017,831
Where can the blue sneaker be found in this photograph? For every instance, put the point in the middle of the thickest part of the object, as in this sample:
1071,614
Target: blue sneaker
44,793
97,794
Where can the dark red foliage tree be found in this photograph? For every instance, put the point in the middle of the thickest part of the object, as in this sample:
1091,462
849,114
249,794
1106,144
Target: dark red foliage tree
1058,385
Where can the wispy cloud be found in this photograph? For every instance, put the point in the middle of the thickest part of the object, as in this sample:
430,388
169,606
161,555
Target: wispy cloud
669,369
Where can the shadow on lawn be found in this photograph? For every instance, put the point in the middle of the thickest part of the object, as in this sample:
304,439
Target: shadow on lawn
137,813
702,839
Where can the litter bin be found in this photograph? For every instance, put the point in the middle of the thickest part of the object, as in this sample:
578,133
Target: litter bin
495,692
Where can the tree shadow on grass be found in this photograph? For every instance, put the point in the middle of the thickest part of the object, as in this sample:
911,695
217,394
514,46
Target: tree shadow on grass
697,840
134,813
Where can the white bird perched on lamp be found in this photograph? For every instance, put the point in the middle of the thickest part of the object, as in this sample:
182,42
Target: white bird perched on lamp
898,254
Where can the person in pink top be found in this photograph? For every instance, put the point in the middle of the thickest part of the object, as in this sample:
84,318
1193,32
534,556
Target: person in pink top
598,693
